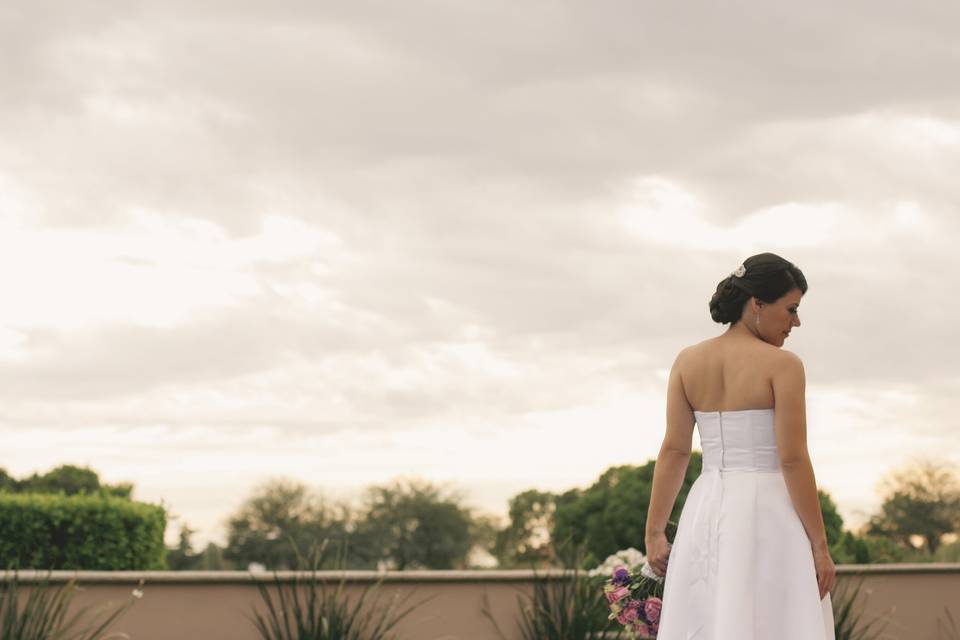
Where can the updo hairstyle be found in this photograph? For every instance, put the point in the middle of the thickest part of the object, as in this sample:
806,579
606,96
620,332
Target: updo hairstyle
767,277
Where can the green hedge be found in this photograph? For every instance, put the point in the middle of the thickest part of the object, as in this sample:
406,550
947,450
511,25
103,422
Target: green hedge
92,532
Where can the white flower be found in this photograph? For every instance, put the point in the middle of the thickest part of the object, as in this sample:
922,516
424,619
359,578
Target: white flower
740,271
628,557
137,593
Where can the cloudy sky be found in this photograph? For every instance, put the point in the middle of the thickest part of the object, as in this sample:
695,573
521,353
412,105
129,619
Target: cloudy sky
348,242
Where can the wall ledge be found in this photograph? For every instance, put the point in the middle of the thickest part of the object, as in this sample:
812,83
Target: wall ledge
353,576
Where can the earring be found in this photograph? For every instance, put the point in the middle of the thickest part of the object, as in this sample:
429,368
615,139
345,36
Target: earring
758,322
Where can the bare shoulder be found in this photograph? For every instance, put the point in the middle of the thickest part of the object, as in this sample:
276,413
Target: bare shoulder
687,354
787,369
692,350
787,359
687,351
692,357
679,361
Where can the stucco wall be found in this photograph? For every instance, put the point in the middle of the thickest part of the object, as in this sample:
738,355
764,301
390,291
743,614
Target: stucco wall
215,605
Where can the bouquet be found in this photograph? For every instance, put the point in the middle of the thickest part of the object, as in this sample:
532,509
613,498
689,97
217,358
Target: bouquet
634,592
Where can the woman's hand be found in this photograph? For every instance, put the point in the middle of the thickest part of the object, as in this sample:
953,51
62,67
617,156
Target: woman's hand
658,552
826,571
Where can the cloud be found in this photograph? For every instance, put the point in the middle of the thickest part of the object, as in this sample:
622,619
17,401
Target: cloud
355,218
180,109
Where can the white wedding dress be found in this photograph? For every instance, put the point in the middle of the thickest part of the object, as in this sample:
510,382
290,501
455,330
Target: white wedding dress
741,566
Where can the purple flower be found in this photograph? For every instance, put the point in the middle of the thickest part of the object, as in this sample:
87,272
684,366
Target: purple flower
621,575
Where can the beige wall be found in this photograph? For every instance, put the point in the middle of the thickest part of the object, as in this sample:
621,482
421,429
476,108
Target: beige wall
213,605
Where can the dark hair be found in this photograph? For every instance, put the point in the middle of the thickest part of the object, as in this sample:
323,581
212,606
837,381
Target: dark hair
767,277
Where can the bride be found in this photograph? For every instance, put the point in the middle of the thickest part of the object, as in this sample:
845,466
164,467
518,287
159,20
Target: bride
749,559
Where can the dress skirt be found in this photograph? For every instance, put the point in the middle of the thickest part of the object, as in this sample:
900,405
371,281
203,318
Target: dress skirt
741,566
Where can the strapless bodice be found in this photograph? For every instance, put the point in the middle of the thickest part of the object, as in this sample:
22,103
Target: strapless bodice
738,440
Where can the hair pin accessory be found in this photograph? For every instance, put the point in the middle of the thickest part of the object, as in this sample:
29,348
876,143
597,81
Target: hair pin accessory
740,271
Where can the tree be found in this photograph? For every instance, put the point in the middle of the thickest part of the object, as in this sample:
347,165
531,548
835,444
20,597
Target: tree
211,559
280,520
611,514
832,520
922,499
484,532
7,482
182,557
526,540
67,479
411,525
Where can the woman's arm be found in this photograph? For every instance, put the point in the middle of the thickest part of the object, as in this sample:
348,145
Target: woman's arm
674,456
790,426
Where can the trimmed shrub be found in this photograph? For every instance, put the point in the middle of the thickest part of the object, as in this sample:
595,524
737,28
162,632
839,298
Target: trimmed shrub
81,532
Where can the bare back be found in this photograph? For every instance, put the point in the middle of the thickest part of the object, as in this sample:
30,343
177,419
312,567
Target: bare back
729,374
733,373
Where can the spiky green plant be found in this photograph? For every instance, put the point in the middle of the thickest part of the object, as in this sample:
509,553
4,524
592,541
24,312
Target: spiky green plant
848,614
571,607
323,616
944,633
44,616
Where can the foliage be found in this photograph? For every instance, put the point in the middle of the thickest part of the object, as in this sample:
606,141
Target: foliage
871,549
400,526
484,534
277,511
67,479
84,532
848,612
611,513
944,633
526,539
877,549
8,484
850,549
832,520
884,550
948,552
211,559
323,616
569,607
43,617
414,527
922,499
183,558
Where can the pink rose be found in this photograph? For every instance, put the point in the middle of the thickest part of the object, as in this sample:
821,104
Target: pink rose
651,609
617,594
629,614
641,629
